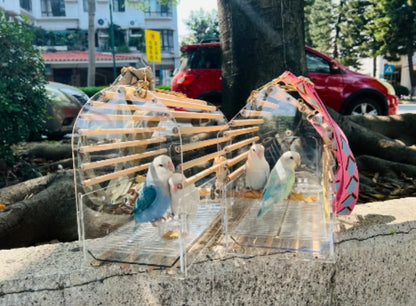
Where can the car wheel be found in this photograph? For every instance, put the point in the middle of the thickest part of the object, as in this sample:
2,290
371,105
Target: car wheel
364,106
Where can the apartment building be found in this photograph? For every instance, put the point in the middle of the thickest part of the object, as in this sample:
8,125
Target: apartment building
66,17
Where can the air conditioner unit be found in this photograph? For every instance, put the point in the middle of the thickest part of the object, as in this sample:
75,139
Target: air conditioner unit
102,22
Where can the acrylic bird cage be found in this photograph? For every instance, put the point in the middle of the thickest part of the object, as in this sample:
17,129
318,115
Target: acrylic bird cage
289,171
128,136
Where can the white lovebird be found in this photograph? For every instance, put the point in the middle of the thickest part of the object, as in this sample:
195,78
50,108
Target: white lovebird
257,168
280,182
184,200
154,197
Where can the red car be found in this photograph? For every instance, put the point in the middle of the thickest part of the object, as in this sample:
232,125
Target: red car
342,89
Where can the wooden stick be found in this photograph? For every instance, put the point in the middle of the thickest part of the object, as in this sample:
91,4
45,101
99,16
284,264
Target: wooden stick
174,103
114,106
195,115
199,129
110,176
161,95
253,113
232,176
116,160
231,162
119,145
166,99
237,132
200,144
97,117
242,122
264,103
98,131
240,144
198,161
202,174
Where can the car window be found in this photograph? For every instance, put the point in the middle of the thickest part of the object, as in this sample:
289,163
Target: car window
205,58
315,63
184,63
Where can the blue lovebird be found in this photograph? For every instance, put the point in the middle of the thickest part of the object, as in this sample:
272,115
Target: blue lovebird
280,182
154,196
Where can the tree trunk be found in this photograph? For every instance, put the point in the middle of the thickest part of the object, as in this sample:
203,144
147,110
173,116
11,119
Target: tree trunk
41,210
91,43
386,157
260,39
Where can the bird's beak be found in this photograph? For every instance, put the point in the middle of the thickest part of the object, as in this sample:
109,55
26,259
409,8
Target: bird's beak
171,167
260,153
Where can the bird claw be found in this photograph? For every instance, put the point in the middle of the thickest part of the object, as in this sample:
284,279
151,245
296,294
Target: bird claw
156,222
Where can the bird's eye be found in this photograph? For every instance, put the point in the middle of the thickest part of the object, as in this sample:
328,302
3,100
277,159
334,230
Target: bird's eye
254,150
291,157
160,165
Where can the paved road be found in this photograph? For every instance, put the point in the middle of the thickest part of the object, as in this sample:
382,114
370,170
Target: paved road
407,108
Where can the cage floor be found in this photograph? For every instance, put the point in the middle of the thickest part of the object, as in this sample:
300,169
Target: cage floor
289,225
144,245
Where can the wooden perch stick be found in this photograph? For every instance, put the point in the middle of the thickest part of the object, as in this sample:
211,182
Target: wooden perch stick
195,115
94,116
119,145
86,132
201,144
253,113
203,174
198,161
231,162
110,176
264,103
242,122
199,129
233,133
116,160
232,176
168,100
241,144
176,96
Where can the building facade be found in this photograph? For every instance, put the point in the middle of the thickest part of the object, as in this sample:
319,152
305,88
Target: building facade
70,17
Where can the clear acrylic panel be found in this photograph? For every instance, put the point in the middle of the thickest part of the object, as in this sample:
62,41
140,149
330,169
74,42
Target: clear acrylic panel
276,212
121,134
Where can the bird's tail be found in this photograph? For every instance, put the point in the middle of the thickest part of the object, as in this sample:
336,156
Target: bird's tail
263,209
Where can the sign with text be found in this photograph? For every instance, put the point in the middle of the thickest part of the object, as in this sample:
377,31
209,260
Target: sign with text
153,50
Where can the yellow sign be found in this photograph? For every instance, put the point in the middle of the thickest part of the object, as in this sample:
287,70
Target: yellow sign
153,52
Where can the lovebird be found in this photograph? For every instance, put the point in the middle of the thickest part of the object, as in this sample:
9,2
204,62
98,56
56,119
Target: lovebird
257,168
154,196
184,200
280,182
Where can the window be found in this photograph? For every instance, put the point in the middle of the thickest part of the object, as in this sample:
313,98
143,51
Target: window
317,64
166,40
159,10
205,58
26,4
52,8
119,5
163,10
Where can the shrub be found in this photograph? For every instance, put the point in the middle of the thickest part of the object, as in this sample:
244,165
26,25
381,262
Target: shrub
22,93
164,87
92,90
401,90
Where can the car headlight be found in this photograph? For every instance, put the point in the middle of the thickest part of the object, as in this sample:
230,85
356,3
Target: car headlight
390,88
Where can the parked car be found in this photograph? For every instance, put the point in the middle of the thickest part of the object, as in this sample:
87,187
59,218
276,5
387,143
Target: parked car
66,103
342,89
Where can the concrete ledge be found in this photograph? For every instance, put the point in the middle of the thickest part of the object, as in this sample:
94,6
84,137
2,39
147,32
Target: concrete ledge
375,265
